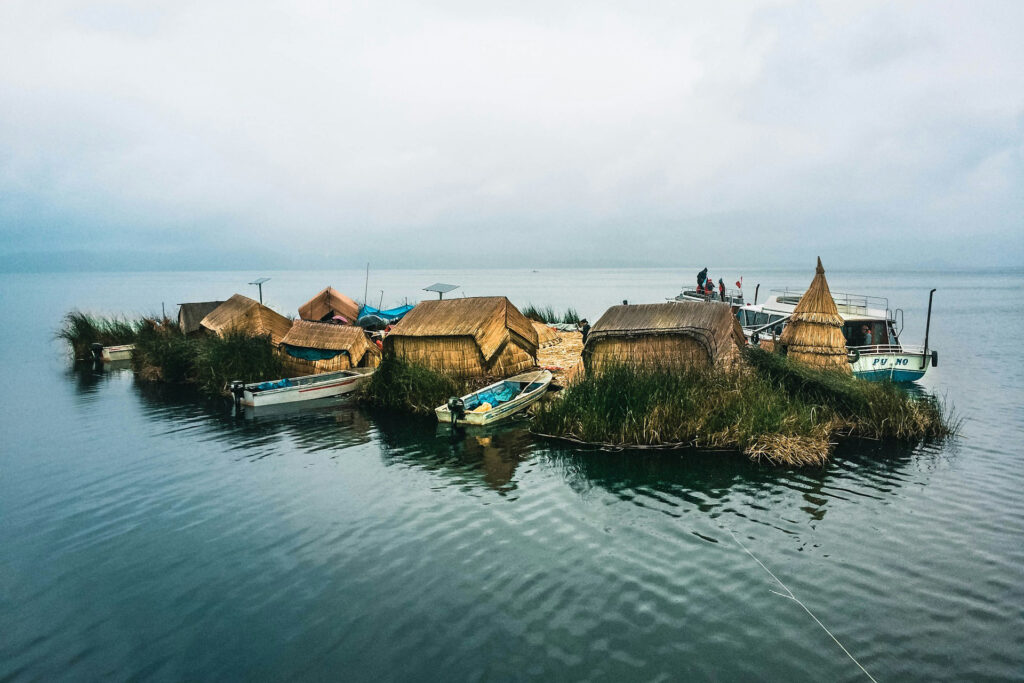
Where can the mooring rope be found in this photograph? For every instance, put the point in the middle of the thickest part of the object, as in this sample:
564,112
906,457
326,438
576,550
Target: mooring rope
789,594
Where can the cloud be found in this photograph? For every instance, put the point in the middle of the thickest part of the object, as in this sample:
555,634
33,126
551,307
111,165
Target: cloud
584,133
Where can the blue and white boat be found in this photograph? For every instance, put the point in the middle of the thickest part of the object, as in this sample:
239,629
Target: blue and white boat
871,328
497,401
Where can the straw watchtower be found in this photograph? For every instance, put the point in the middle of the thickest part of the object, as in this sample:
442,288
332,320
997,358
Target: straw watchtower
469,337
311,347
240,313
327,304
814,333
673,335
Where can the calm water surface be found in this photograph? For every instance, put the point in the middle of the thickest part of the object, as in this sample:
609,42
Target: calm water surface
145,533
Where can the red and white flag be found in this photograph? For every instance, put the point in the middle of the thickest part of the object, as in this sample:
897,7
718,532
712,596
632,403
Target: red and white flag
739,283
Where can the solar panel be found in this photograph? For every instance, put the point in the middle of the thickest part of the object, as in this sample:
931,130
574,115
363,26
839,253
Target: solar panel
440,288
259,281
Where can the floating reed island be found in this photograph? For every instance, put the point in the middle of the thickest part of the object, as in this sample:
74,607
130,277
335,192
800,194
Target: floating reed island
670,375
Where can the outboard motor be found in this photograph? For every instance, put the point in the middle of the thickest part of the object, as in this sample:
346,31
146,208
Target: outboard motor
237,388
457,408
96,349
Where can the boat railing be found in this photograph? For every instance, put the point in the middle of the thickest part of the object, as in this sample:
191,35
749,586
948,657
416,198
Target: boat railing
887,348
851,304
733,297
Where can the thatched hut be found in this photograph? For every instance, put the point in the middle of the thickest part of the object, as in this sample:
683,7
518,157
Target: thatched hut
674,335
468,337
327,304
244,314
191,315
814,333
321,347
546,335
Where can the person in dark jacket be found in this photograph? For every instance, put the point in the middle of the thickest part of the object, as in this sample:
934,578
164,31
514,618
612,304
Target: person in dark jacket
701,277
721,289
585,329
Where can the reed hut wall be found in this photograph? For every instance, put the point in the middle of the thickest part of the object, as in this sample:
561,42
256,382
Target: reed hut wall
328,303
190,315
247,315
469,337
673,335
814,333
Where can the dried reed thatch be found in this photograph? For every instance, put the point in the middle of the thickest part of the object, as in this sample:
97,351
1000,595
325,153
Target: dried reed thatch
352,348
546,336
327,304
191,315
676,334
242,314
468,337
814,333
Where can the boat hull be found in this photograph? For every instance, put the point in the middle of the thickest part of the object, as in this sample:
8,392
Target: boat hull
502,411
116,353
891,366
343,383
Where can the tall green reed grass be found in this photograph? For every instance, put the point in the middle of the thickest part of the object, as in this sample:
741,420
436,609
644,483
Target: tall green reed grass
399,385
80,330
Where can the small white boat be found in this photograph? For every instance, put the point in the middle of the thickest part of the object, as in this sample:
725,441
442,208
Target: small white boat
496,401
114,353
292,389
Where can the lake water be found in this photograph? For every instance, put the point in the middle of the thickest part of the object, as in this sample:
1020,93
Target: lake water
145,533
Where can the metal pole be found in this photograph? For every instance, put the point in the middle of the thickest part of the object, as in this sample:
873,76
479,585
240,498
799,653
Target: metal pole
927,329
366,286
756,290
260,285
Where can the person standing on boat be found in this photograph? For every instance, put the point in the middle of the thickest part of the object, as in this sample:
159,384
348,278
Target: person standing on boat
701,277
721,289
867,336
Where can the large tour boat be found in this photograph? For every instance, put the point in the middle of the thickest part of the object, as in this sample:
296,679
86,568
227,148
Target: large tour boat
871,328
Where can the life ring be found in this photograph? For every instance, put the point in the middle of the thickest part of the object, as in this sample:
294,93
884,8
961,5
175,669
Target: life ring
853,355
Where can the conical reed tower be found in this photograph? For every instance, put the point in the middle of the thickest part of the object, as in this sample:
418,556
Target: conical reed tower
814,333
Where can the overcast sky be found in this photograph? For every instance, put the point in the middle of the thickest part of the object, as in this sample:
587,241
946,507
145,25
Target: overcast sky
259,135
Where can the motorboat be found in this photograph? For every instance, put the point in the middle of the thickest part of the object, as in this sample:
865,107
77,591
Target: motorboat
292,389
871,329
496,401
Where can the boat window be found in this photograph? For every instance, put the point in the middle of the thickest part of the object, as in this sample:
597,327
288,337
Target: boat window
774,318
760,319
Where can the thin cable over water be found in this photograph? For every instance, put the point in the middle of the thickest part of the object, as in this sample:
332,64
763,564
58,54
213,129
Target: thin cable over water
789,594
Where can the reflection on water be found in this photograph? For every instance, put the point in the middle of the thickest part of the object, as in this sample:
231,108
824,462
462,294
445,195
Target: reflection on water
460,455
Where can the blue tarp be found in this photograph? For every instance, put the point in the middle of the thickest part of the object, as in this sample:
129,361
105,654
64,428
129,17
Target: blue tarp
281,384
392,315
309,354
506,392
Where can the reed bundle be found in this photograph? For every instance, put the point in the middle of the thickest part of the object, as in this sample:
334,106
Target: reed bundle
814,333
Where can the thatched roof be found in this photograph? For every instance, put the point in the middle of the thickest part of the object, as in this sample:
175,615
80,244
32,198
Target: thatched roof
814,333
328,303
546,335
242,313
191,314
327,337
490,320
712,325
